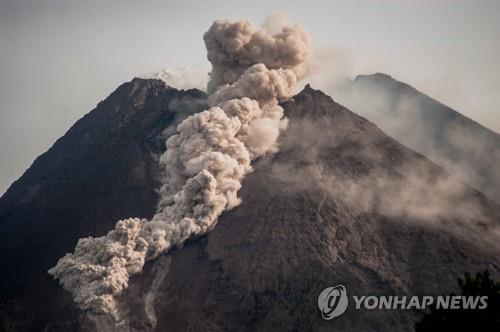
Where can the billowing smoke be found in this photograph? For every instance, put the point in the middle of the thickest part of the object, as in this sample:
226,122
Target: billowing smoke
205,161
183,78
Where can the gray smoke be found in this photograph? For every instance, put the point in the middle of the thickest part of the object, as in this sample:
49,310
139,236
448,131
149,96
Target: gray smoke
408,190
183,78
205,161
461,146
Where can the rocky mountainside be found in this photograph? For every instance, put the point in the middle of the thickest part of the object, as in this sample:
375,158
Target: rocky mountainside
461,145
340,203
103,169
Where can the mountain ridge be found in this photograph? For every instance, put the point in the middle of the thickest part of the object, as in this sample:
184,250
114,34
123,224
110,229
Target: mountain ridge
325,213
108,158
449,138
384,76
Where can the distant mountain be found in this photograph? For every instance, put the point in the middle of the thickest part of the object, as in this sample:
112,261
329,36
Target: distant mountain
340,203
461,145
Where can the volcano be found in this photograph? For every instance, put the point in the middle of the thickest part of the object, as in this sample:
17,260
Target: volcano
447,137
340,203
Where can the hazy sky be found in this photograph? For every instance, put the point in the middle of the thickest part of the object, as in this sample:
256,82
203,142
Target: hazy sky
59,58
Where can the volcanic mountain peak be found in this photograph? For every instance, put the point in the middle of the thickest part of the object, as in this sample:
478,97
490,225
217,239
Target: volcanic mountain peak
103,169
376,76
384,83
340,203
350,206
459,144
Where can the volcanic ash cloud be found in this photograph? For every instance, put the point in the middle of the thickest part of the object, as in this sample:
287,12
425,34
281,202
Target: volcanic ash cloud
205,163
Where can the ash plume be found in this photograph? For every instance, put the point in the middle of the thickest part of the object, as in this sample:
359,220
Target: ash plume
205,162
183,78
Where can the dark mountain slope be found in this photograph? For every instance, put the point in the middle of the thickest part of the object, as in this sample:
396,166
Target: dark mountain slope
454,141
303,226
341,203
103,169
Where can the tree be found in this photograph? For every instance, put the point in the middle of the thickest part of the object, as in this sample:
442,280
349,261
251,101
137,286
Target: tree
467,320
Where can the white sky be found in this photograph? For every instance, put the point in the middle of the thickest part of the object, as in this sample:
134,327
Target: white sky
59,58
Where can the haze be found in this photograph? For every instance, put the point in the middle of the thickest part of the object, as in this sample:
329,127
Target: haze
60,58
